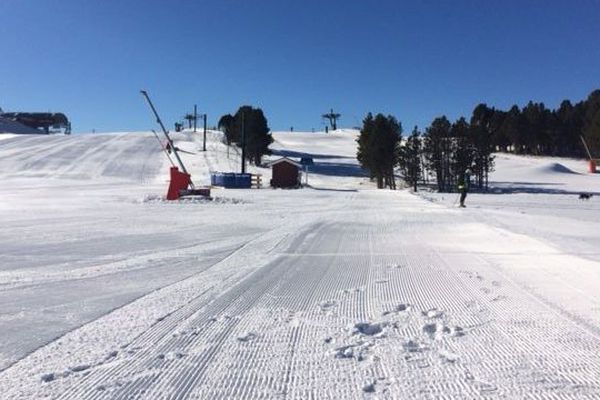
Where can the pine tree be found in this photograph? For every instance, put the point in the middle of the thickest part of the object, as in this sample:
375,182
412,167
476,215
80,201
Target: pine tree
226,123
257,136
512,127
436,149
462,152
378,148
481,132
591,129
409,159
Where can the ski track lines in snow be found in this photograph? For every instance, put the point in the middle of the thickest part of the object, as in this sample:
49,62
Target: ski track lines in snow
377,310
57,156
325,296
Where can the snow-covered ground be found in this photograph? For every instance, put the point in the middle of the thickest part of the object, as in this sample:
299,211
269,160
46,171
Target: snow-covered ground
539,197
333,291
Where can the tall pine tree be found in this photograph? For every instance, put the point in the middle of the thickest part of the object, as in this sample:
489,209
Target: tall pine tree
437,151
409,159
257,135
378,148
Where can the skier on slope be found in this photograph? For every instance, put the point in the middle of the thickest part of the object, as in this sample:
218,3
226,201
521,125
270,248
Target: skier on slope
463,186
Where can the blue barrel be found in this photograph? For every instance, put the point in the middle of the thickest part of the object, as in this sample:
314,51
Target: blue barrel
216,179
229,180
243,181
221,179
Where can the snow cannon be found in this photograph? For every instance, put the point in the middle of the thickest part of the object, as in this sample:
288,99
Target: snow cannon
181,186
181,181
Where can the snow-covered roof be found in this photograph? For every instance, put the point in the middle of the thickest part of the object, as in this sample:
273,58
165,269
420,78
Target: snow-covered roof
285,159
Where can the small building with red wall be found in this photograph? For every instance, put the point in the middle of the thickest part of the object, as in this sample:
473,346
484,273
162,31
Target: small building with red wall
286,173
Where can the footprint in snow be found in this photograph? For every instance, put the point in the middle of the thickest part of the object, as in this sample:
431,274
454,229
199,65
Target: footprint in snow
174,355
327,305
413,346
369,387
482,386
448,356
433,313
356,351
433,330
398,309
246,337
79,368
369,329
353,290
458,331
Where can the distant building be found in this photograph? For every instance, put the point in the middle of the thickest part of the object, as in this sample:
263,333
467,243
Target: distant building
286,173
10,126
41,122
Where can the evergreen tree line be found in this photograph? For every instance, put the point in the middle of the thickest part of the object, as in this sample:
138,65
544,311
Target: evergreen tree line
257,133
537,130
446,150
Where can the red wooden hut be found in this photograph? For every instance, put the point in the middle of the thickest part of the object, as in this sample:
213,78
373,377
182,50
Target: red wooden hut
286,173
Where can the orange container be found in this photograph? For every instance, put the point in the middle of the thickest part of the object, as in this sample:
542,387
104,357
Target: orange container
592,166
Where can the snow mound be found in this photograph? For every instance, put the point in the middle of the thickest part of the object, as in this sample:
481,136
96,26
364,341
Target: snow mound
555,168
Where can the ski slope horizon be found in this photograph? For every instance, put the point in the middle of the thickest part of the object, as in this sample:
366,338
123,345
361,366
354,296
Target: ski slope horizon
335,290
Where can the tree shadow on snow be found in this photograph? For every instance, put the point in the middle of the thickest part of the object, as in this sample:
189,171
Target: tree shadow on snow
532,188
330,189
337,169
301,154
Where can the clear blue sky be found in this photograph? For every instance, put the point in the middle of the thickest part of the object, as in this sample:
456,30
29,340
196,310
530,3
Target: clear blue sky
295,59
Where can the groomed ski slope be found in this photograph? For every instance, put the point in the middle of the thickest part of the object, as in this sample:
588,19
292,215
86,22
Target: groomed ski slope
333,291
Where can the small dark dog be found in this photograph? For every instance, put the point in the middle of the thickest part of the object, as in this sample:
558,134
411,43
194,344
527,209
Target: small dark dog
585,196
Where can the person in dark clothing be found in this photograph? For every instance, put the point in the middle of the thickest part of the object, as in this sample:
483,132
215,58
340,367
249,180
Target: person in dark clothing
463,186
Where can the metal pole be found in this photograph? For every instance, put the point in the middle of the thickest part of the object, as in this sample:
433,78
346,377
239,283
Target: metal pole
306,177
243,145
195,117
204,142
173,148
586,147
163,148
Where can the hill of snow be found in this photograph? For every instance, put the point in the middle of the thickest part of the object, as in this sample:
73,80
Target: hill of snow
337,290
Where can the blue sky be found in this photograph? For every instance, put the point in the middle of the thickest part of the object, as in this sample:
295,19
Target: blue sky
295,59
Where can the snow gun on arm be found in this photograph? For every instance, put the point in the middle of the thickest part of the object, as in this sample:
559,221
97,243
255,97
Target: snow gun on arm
181,181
